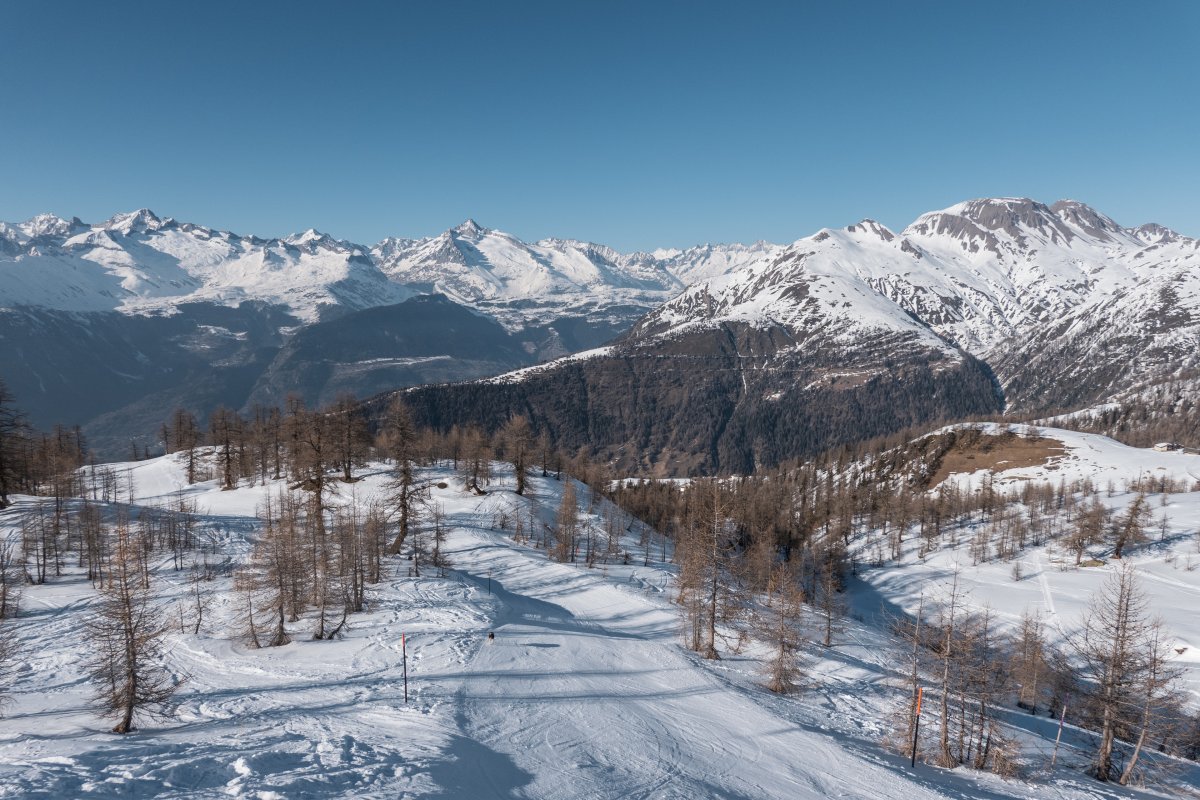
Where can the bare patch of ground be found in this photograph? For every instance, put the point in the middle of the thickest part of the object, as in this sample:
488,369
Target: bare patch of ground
997,452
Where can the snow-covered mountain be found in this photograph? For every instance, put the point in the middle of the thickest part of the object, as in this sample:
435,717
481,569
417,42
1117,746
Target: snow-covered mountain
141,263
1091,305
979,274
1063,305
519,282
138,262
861,331
150,309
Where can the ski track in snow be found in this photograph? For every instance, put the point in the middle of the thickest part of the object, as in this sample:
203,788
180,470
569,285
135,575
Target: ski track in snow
585,693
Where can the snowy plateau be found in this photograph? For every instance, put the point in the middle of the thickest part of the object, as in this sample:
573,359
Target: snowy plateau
586,690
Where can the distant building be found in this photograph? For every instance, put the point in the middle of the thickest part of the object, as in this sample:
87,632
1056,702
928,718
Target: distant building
1168,447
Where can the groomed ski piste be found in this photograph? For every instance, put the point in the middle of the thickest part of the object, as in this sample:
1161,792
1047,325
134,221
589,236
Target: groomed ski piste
586,692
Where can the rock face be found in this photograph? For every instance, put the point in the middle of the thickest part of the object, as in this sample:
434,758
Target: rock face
724,399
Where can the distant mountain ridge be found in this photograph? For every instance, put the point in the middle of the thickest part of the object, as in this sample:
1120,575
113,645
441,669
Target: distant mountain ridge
166,313
138,262
990,304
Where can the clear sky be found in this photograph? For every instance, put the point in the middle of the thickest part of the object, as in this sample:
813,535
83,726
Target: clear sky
635,124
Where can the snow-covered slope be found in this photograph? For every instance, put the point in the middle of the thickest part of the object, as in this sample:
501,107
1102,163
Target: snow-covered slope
470,262
1027,287
819,284
1042,579
705,261
519,282
1082,456
585,693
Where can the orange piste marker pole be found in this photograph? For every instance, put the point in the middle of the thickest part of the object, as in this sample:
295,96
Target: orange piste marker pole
917,725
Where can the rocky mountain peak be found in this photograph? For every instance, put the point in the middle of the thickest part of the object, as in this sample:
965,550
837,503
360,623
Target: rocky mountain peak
469,228
1084,217
1153,233
50,225
870,226
141,221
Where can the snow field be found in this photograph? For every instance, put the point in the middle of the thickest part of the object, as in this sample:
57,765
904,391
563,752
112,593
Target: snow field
585,693
1168,565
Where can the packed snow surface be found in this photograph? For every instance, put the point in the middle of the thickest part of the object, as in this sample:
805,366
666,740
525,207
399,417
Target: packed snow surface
586,691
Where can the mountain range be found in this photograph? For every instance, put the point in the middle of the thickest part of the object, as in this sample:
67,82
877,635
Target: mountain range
990,305
107,324
767,350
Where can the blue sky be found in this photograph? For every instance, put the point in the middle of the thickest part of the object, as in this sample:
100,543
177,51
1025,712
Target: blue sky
636,124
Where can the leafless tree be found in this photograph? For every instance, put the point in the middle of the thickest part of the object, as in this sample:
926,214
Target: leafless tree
476,460
10,582
9,647
948,622
1089,528
401,439
126,634
227,431
182,434
1130,527
1157,680
349,435
566,531
779,623
518,439
437,521
1119,650
704,549
1029,662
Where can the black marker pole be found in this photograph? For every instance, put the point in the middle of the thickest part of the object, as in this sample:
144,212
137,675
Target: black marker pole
404,656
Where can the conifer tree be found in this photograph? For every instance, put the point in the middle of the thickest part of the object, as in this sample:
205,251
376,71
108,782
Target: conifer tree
566,531
126,633
401,438
1120,658
517,438
780,625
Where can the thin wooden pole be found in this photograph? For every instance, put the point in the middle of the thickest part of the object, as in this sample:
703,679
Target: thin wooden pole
1061,721
404,656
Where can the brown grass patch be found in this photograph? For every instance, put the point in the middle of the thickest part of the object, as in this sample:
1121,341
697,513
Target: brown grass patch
996,453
